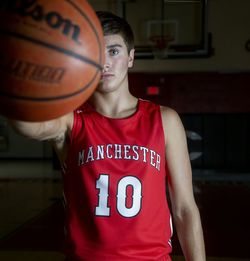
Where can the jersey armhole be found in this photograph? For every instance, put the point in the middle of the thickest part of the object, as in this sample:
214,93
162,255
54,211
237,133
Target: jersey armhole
76,125
162,124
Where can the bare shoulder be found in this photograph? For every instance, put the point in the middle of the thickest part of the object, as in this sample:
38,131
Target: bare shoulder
169,113
172,123
170,118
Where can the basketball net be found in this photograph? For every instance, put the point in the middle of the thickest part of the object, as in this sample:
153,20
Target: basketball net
160,45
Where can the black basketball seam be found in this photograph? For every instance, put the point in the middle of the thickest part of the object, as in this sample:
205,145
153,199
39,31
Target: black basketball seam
45,99
91,24
51,46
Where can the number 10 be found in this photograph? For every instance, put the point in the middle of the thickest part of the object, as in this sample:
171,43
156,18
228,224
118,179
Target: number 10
103,184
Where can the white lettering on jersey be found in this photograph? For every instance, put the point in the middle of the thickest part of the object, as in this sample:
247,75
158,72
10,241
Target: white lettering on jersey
103,184
109,156
81,158
126,152
158,161
145,151
118,152
100,152
135,150
90,156
122,196
152,157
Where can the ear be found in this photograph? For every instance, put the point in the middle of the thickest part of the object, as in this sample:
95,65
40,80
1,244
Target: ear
131,58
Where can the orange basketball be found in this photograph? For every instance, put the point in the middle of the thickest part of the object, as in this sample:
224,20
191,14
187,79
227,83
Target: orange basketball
51,57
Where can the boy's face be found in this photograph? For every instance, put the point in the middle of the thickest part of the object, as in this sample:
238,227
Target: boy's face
117,62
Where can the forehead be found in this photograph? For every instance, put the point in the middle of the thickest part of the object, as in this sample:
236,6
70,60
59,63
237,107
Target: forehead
114,39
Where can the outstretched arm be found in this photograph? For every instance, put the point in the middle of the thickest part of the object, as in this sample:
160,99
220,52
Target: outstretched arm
185,212
56,131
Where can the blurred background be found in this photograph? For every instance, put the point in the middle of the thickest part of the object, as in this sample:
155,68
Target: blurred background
191,55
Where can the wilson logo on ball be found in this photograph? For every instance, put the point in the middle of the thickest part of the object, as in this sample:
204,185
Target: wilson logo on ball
37,12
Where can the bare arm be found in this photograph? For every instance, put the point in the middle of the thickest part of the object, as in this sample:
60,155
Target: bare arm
56,131
185,212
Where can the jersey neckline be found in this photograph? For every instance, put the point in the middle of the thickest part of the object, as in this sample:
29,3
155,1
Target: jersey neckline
118,120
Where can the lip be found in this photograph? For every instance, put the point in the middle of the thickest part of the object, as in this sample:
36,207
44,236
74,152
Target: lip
106,75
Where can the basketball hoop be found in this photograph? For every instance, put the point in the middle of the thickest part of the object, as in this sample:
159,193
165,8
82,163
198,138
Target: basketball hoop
160,45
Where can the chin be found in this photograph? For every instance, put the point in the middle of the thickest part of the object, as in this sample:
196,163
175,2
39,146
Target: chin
104,88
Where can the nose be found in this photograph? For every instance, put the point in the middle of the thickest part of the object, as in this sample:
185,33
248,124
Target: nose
107,63
106,66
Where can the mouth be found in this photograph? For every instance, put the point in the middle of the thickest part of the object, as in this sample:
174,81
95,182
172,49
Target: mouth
106,76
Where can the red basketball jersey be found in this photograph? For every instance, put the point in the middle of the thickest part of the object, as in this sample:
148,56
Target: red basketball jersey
115,187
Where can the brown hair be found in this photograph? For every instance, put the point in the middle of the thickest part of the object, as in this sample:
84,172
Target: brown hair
113,24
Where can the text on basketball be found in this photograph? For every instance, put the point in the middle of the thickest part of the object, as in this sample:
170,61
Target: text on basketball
37,12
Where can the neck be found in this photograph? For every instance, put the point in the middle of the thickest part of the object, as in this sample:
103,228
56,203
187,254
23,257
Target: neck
114,105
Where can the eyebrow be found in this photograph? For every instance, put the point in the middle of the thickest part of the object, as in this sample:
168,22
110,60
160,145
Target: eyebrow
114,45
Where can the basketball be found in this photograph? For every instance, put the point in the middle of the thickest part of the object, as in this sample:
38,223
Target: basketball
51,57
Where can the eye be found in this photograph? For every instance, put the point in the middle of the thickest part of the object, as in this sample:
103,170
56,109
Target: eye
113,51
